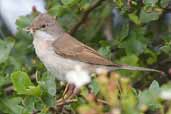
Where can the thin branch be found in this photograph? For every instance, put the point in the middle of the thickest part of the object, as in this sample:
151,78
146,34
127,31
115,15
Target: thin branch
67,102
85,16
103,101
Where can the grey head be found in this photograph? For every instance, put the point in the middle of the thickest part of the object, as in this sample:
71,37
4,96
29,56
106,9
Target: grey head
45,23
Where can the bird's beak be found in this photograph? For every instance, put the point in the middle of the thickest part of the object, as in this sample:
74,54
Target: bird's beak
28,29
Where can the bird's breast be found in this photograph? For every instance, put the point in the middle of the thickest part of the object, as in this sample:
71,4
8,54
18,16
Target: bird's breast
42,43
55,63
41,47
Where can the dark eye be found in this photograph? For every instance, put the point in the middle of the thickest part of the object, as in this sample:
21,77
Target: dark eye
43,26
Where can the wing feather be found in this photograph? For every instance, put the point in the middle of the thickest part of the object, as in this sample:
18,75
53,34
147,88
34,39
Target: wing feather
69,47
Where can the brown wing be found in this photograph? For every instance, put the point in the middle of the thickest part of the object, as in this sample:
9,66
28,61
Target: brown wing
69,47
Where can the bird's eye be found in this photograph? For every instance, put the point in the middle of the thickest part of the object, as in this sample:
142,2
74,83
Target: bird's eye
43,26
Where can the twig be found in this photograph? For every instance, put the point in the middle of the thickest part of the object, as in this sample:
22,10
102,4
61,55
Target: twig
9,89
85,16
103,101
67,102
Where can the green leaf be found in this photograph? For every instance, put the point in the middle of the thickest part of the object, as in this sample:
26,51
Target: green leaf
150,2
23,22
5,48
94,87
164,3
29,104
130,59
57,10
48,84
105,51
137,47
23,85
49,100
70,2
133,46
166,49
84,109
120,31
152,56
133,17
150,97
154,87
136,42
21,81
119,3
129,102
33,90
146,17
10,105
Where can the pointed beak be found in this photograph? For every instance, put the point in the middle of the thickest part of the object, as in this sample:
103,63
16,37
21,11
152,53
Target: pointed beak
28,29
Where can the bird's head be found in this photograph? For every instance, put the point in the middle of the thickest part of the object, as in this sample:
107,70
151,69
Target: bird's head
45,23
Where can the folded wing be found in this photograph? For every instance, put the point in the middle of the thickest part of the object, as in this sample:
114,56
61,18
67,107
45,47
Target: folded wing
69,47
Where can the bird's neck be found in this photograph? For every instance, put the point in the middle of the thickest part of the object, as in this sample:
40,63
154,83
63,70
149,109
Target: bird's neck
43,36
42,43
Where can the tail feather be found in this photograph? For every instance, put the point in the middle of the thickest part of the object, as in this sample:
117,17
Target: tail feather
134,68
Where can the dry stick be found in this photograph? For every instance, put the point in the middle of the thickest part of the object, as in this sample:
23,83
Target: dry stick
103,101
85,16
67,102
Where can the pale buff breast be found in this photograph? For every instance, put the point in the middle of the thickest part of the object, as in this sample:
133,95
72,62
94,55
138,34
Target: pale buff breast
55,64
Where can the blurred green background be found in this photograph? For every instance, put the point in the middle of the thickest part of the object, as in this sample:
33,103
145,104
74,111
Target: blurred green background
133,32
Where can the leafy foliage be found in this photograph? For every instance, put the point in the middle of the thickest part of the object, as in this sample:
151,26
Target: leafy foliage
134,32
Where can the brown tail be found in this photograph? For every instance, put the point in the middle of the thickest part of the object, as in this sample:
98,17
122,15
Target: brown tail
134,68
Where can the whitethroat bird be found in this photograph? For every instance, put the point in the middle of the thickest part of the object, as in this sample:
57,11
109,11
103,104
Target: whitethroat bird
60,52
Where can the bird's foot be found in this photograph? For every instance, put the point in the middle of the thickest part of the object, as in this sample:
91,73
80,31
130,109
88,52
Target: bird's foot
68,94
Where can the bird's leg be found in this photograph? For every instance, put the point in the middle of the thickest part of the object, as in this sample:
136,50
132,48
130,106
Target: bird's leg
69,92
68,89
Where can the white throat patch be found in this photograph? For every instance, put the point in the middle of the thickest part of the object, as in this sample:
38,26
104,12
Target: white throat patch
43,35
